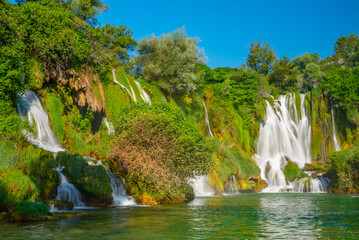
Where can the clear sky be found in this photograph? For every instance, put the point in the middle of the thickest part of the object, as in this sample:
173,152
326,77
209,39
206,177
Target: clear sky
226,28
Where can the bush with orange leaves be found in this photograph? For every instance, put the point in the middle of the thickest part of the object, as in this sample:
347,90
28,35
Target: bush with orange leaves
159,150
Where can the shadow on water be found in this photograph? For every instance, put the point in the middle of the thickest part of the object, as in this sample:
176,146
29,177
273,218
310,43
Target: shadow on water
276,216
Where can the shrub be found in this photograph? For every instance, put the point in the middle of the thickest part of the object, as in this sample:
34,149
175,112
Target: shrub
16,187
160,151
29,211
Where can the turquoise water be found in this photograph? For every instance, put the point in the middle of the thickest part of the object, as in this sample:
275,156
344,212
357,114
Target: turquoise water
243,216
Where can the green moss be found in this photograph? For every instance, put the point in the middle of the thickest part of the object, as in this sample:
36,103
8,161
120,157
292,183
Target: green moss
16,187
34,74
8,155
292,171
55,108
27,211
91,179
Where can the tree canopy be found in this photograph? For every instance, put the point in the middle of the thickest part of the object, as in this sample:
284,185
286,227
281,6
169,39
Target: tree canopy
169,61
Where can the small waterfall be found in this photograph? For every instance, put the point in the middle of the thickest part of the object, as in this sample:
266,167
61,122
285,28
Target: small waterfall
30,106
312,185
201,186
67,191
109,126
133,96
232,185
143,93
285,134
336,145
119,195
210,134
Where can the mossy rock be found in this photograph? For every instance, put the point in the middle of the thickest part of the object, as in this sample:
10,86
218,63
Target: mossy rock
62,158
92,180
27,211
315,167
292,171
60,204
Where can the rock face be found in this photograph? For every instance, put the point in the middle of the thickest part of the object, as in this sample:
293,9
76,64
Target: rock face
60,204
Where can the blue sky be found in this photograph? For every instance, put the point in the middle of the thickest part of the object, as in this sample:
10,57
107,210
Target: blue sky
226,28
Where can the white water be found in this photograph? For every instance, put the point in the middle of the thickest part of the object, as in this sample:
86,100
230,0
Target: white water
143,93
67,191
109,126
30,107
336,145
283,135
208,126
201,186
132,95
119,195
232,188
313,185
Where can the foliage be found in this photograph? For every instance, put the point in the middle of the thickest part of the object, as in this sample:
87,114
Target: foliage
160,150
261,57
345,47
91,179
16,188
8,157
344,170
309,73
343,85
282,76
29,211
169,61
115,43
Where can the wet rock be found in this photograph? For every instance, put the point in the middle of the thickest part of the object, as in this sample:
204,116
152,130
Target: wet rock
60,204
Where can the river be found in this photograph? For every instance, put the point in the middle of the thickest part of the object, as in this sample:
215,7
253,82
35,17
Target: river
242,216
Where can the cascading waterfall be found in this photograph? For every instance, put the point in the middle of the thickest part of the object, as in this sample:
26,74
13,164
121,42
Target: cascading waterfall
143,93
208,126
109,126
132,95
312,185
336,145
201,186
284,135
67,191
30,106
232,185
119,195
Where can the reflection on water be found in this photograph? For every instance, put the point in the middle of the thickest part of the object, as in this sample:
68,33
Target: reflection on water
248,216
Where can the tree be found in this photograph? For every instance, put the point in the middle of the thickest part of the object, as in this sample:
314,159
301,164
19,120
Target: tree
345,46
308,70
114,43
169,61
281,75
261,57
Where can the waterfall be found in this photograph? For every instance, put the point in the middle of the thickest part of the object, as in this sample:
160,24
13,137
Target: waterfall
232,185
119,195
335,139
132,95
310,184
67,191
284,134
208,126
201,186
30,106
109,126
143,93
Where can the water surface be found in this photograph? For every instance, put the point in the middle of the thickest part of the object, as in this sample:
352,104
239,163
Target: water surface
243,216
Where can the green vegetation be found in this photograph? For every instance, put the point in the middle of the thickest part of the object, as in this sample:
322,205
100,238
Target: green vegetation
27,211
15,187
160,151
344,170
90,179
292,171
169,62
